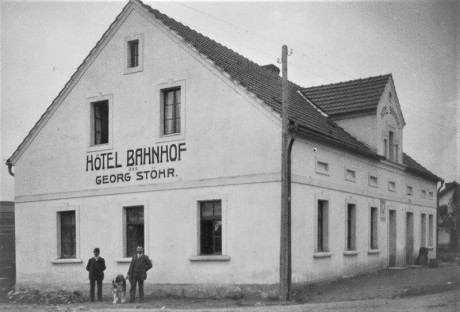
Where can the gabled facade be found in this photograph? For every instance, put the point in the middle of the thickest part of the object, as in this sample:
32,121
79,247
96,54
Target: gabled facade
166,139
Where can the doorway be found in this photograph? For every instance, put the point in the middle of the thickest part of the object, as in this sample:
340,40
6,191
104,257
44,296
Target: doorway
409,238
392,238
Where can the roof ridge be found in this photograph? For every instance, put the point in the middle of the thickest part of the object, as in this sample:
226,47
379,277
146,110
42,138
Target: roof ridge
348,82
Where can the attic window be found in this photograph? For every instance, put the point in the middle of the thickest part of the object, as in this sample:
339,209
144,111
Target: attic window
133,53
100,122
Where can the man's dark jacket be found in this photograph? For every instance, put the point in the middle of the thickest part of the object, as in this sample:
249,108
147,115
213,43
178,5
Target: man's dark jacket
139,267
96,268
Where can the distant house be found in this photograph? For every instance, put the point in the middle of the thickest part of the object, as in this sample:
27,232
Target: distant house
7,244
167,139
449,216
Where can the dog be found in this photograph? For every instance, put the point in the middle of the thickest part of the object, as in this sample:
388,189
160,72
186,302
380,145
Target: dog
119,289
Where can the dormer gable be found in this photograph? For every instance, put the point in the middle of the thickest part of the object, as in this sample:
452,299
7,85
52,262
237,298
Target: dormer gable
367,108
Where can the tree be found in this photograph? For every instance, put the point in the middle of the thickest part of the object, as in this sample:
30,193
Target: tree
448,220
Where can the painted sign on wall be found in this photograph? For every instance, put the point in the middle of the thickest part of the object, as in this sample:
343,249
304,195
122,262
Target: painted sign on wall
135,162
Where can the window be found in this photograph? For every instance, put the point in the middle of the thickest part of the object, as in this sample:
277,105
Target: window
100,122
430,229
423,194
391,186
322,226
171,111
396,153
409,190
374,241
373,181
391,145
322,167
350,175
133,53
211,227
385,148
430,195
134,229
423,230
351,227
67,234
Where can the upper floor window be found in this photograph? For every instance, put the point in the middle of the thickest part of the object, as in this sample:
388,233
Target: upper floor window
373,181
100,122
133,53
350,175
409,190
322,167
391,145
396,153
423,194
392,186
171,111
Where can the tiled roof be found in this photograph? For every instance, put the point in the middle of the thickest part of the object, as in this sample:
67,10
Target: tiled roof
418,169
265,84
262,82
348,97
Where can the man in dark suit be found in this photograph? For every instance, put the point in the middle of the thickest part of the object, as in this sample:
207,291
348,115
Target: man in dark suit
96,267
137,273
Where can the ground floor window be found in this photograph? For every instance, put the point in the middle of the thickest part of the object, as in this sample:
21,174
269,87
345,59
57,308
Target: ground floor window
134,229
322,226
430,229
351,227
423,230
67,234
374,242
211,227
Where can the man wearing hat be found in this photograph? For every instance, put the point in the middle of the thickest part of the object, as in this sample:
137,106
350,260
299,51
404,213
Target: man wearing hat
96,267
137,273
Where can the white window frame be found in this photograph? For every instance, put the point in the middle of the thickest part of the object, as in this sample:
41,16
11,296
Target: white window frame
140,67
326,253
159,110
89,123
122,234
351,201
197,256
57,234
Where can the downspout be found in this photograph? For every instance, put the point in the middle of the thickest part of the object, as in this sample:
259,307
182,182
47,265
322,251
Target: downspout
437,218
10,168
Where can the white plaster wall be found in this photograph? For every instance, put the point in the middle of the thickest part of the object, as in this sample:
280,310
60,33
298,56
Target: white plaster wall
310,185
363,128
225,134
252,236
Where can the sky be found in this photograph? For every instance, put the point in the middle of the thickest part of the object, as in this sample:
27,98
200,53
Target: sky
43,43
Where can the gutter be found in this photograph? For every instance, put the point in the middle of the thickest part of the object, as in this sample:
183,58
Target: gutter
10,167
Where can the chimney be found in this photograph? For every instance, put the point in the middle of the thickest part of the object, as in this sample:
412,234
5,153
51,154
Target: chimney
272,68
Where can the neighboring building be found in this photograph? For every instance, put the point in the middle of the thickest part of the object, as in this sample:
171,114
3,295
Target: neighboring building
167,139
7,250
449,218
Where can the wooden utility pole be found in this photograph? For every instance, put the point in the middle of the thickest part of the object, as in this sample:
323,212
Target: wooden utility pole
285,239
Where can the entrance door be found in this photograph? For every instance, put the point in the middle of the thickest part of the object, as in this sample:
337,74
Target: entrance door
392,238
409,238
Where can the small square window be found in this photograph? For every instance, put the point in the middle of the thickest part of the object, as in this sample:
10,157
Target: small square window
409,190
350,175
423,194
392,186
373,181
322,167
430,195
